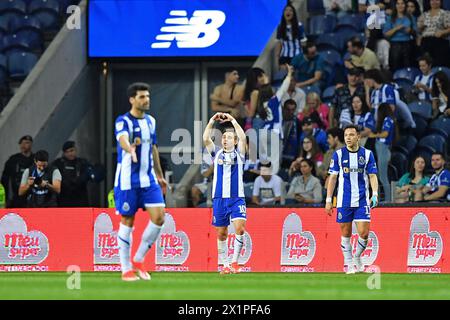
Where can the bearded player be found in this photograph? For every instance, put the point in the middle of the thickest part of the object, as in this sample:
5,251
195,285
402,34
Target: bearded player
355,166
228,186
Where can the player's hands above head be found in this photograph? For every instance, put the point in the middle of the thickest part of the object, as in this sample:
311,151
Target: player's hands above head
226,117
374,201
216,117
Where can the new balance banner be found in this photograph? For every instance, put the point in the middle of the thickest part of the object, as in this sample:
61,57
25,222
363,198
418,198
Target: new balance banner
277,240
174,28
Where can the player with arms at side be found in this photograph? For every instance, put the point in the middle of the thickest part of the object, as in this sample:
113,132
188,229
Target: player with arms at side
138,180
355,166
228,186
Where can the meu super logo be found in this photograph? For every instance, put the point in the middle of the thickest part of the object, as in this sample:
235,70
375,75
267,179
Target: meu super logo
200,31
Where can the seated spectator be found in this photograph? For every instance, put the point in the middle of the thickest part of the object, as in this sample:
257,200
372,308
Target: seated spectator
296,94
315,109
290,36
305,188
267,187
335,141
343,95
338,8
440,94
434,28
199,190
398,29
409,187
310,151
438,188
256,77
41,183
292,129
423,83
227,96
309,128
360,56
359,115
251,170
309,67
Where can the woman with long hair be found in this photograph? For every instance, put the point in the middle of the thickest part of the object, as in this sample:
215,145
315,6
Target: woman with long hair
440,94
412,182
315,109
309,150
398,29
290,36
385,135
359,115
256,78
413,9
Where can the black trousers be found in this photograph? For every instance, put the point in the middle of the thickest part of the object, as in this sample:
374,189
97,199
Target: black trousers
400,55
439,49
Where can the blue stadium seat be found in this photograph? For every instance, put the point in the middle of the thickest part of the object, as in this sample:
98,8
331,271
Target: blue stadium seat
441,125
433,143
446,4
406,143
315,7
20,64
309,89
444,69
392,173
3,25
25,23
400,162
47,12
421,108
344,35
328,94
421,126
9,18
329,41
331,57
321,24
357,21
14,43
407,73
13,6
346,28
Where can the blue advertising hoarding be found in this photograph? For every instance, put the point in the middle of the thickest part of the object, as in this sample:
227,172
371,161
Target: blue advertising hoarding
181,28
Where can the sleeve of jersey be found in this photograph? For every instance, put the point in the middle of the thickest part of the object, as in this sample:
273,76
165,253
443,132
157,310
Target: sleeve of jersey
390,95
386,125
334,164
372,165
370,122
154,137
121,128
445,179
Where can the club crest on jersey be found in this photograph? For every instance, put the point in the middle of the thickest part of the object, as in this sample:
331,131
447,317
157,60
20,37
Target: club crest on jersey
125,206
137,141
361,160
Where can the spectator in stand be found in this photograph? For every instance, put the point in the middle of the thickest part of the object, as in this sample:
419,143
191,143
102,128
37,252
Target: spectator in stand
434,28
409,187
440,94
267,187
385,135
305,188
438,188
309,67
360,116
342,99
315,109
360,56
199,190
413,9
290,37
292,129
309,128
296,94
309,150
336,142
256,77
227,97
424,82
338,8
13,171
398,29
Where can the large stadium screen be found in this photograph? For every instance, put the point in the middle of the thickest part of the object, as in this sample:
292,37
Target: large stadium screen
175,28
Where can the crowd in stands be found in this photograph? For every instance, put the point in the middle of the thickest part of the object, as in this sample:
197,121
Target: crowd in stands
386,72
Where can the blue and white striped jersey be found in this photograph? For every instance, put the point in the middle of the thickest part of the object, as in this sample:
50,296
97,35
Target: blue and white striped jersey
228,174
426,80
353,169
386,94
440,179
142,132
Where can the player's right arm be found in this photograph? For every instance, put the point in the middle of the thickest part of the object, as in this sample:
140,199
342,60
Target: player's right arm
207,141
123,137
332,178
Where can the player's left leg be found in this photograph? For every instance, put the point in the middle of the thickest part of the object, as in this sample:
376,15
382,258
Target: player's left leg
154,205
239,218
362,220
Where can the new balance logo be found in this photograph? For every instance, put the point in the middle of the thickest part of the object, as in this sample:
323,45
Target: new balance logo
200,31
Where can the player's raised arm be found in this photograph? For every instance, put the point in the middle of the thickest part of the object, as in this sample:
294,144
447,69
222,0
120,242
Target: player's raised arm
242,138
207,141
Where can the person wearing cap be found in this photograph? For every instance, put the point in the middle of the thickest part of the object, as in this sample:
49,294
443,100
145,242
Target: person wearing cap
76,173
13,171
342,99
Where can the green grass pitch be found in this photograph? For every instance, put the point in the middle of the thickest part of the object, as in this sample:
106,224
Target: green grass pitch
212,286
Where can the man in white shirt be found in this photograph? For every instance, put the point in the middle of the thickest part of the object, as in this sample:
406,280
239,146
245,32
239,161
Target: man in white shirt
267,187
296,94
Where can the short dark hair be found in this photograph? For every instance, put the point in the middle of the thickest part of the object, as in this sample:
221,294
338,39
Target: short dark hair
352,126
135,87
309,44
41,155
439,153
375,75
289,102
265,164
357,42
336,132
427,58
230,69
226,126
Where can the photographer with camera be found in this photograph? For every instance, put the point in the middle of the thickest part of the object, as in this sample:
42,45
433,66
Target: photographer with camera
40,183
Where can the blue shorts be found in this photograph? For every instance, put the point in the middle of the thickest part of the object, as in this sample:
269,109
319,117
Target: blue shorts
129,201
353,214
225,208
